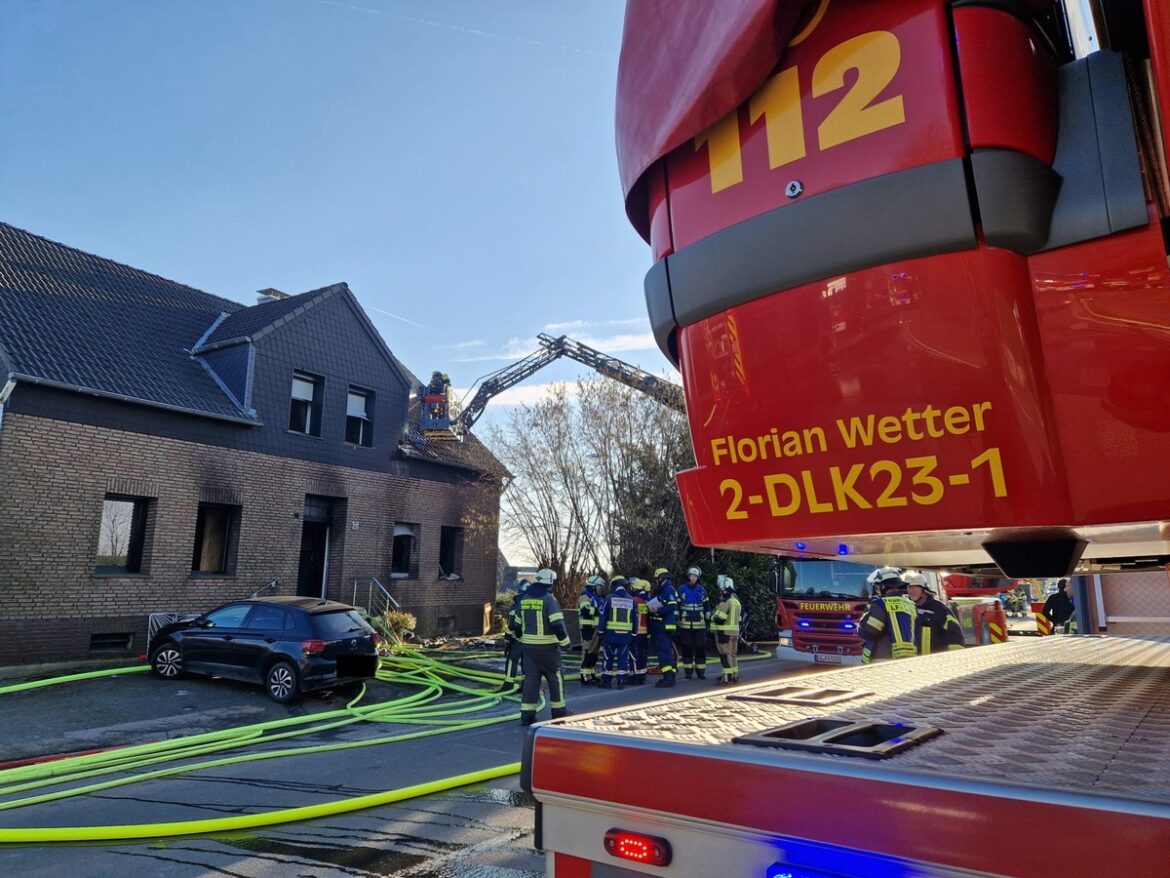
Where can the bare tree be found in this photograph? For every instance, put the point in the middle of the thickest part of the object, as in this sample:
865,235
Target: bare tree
593,485
114,536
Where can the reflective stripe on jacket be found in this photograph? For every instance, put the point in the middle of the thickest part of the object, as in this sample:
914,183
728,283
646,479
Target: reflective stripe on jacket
937,629
588,607
726,617
617,615
888,628
541,619
692,601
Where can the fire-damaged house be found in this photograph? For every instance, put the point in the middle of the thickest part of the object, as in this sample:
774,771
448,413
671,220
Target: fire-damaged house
163,449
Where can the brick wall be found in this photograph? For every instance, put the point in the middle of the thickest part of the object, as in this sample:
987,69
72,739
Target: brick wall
55,475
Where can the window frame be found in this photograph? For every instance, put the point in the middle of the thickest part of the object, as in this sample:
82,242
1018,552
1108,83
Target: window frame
136,538
231,539
455,550
365,424
411,567
312,408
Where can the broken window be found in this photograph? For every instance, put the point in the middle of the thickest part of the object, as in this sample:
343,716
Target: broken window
451,553
404,557
122,534
216,534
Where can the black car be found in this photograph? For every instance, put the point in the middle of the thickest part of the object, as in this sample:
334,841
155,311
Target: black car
288,644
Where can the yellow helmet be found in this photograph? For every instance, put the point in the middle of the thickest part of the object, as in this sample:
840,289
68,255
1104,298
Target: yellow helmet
661,571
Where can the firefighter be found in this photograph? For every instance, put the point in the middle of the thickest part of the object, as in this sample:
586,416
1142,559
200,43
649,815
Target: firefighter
513,655
639,642
542,637
888,625
725,625
588,612
935,629
663,608
692,625
616,626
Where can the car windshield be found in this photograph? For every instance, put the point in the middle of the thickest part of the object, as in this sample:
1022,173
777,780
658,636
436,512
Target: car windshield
827,579
339,624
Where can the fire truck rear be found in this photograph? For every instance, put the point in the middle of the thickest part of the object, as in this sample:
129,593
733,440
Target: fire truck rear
909,258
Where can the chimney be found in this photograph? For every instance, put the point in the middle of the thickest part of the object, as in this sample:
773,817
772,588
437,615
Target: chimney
269,294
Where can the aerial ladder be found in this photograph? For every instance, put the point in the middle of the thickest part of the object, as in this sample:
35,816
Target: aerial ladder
442,419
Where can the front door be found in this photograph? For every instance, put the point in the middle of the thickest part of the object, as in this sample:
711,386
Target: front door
314,559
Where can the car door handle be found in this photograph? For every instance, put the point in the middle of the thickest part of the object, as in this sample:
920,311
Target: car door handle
228,637
270,640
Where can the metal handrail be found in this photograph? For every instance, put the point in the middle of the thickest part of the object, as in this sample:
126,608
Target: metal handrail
271,585
375,591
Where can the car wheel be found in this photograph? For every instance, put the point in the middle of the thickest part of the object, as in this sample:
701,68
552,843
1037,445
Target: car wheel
167,662
282,682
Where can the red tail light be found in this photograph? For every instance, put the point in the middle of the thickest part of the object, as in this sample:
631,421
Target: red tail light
637,847
313,647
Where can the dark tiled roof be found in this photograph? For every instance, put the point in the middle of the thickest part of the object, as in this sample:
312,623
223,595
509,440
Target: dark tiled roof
79,320
469,453
251,322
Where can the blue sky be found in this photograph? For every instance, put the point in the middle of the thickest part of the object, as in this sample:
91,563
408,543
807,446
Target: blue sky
451,160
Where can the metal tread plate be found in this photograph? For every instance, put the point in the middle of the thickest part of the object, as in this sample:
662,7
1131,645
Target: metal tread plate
1088,714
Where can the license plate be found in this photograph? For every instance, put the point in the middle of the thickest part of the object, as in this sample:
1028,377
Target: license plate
827,658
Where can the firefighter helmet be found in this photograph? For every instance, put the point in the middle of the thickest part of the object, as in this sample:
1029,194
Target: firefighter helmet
694,571
660,572
725,583
546,576
522,586
883,574
595,580
886,579
916,579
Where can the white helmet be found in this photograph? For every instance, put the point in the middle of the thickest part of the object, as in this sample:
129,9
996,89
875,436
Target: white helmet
913,577
694,571
883,574
725,583
595,580
546,576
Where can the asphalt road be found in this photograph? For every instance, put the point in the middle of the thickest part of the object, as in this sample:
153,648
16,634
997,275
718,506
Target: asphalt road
479,831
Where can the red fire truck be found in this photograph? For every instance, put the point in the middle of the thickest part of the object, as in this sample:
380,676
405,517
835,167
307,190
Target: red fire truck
909,258
818,606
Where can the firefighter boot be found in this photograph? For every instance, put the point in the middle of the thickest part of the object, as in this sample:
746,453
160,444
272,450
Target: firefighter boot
561,712
606,683
527,717
701,673
666,682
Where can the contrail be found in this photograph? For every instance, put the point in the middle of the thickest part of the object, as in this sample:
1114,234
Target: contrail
396,317
475,32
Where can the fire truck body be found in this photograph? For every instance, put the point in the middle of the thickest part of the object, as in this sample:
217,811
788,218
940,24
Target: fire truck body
1037,758
910,263
818,605
916,285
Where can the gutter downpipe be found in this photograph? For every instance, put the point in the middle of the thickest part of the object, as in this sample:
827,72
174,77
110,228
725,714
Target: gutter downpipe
5,392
